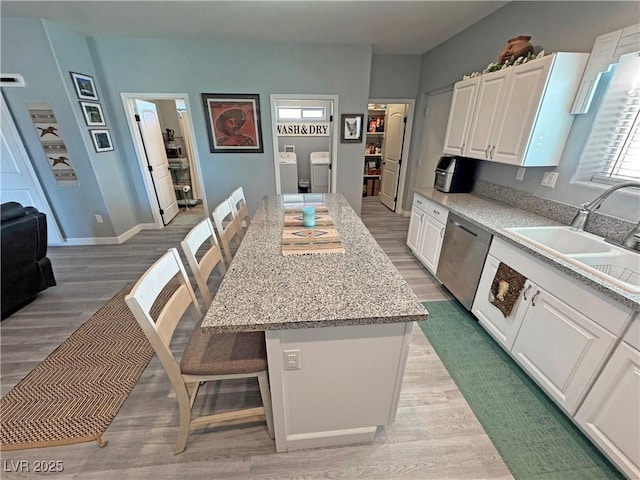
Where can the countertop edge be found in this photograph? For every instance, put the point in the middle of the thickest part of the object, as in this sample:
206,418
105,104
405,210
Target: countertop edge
261,327
626,298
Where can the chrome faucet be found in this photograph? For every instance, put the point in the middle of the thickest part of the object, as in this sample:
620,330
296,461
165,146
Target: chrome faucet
581,218
632,240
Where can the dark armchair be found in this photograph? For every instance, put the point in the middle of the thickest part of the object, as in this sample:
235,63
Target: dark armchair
26,270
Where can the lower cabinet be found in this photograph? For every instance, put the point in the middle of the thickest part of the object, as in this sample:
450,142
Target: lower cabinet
560,348
610,414
567,337
426,231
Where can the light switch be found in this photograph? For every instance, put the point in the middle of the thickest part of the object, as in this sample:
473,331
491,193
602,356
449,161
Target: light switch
549,179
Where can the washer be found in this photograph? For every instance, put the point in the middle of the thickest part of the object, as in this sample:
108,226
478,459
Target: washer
288,163
320,162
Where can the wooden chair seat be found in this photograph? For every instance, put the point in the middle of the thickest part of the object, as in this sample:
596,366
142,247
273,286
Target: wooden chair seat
224,353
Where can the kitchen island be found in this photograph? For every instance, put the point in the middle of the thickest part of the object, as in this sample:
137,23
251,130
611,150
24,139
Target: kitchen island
337,325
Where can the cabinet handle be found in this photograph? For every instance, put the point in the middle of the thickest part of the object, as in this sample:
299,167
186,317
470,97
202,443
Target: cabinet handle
524,295
491,152
533,299
436,212
462,148
486,151
442,232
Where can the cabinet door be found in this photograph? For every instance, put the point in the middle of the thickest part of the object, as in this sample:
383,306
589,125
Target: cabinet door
431,243
415,227
521,100
462,103
561,348
503,329
486,114
610,413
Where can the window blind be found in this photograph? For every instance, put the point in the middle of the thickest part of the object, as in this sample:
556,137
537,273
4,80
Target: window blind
613,148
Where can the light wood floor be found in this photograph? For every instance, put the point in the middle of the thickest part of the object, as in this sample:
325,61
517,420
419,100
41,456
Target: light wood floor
435,436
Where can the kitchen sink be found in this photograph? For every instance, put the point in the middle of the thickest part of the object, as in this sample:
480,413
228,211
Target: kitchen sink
605,260
562,239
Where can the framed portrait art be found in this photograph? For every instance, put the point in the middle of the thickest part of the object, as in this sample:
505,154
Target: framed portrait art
233,122
101,140
85,87
351,127
92,114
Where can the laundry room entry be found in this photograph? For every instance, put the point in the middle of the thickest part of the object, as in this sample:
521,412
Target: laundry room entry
303,143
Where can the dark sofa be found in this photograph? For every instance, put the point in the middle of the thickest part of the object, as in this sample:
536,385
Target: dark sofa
26,270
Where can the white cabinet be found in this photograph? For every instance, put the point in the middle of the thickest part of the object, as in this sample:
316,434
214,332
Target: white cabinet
503,329
521,114
610,414
426,231
486,113
560,348
462,103
559,331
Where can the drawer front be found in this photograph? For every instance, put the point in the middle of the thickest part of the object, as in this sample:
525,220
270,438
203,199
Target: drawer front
419,202
437,212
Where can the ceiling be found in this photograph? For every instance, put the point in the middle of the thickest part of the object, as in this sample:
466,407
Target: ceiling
392,27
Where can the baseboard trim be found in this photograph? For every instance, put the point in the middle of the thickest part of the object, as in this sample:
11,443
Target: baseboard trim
123,237
330,438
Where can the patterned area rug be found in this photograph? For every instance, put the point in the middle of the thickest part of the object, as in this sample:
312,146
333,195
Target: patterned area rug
75,393
535,439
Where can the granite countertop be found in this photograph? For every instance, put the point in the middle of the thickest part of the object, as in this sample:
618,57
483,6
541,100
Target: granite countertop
264,290
494,217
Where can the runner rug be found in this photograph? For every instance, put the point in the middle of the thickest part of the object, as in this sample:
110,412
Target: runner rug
75,393
300,240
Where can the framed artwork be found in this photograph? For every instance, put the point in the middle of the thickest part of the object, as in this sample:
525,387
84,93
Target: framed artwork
92,114
101,140
85,87
233,122
351,127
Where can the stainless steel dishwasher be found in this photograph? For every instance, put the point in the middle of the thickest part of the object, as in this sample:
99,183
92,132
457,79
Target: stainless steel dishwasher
464,250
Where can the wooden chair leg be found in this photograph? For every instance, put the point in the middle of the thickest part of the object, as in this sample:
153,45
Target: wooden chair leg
265,393
184,406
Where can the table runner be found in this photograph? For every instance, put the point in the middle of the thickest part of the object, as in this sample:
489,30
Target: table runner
300,240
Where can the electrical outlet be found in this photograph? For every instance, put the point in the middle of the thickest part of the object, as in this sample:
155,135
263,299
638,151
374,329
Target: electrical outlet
520,174
99,219
291,359
549,179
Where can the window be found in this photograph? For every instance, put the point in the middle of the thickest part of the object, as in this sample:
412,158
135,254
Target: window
612,152
302,113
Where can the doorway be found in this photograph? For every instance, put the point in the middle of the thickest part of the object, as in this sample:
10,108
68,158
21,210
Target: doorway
387,140
166,154
437,103
304,143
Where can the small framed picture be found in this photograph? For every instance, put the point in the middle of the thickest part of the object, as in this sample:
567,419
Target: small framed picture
92,114
85,87
351,127
101,140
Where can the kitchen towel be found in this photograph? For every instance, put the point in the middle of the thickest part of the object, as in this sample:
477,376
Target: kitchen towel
505,288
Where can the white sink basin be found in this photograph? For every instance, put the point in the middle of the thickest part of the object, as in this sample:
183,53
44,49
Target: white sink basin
562,239
610,262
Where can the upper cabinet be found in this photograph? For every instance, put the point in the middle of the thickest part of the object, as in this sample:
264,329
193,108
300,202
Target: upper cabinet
519,115
462,103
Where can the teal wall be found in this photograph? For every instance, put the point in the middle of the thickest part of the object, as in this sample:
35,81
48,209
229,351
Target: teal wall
26,49
110,182
394,76
553,26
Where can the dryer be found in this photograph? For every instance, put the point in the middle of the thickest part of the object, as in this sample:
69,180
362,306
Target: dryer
320,178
